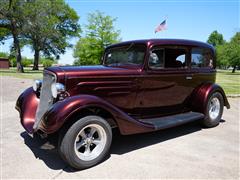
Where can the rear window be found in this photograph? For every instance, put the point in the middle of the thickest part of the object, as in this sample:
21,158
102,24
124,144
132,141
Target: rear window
201,58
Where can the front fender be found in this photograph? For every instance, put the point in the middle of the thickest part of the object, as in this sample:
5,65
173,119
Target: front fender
27,104
61,111
201,94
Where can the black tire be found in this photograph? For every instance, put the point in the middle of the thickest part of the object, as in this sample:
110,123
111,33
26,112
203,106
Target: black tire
68,143
213,120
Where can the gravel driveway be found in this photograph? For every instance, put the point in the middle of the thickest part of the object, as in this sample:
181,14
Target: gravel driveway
186,152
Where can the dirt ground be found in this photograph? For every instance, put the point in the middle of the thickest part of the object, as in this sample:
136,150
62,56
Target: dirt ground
187,152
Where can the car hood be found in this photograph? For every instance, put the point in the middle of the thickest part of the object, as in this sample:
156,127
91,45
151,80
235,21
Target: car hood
96,70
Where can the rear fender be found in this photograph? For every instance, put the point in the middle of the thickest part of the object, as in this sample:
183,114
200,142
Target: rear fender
61,112
201,94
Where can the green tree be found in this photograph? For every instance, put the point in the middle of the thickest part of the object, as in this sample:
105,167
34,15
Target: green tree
228,54
99,33
236,38
222,61
215,39
49,25
234,50
11,20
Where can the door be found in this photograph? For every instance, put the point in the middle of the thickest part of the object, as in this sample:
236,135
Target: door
166,84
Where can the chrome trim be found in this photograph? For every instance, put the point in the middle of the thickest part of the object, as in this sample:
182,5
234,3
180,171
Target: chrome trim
60,87
52,73
37,85
46,99
56,89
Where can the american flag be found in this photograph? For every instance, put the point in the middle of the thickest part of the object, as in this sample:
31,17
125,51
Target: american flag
161,26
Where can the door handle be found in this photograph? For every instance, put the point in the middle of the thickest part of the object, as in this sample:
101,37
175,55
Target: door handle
188,77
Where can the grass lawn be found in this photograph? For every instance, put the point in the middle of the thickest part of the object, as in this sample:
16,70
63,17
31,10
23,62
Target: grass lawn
230,82
29,73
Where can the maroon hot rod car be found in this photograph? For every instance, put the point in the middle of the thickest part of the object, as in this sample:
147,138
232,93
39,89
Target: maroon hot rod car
141,86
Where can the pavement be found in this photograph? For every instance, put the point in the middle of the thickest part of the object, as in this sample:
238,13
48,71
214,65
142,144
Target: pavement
186,152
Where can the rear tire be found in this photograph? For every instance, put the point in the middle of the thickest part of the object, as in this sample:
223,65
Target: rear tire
214,110
86,143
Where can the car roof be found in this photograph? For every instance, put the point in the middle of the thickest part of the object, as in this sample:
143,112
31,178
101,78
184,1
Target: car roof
150,42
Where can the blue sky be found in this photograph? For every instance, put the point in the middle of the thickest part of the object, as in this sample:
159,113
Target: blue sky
137,19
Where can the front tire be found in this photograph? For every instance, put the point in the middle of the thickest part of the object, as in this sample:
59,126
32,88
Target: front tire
214,110
86,143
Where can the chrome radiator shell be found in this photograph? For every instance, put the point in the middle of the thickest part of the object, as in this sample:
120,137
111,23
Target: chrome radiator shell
46,99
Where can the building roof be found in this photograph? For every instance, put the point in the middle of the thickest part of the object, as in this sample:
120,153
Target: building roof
4,59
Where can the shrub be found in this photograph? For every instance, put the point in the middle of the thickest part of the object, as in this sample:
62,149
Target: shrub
13,62
47,62
26,62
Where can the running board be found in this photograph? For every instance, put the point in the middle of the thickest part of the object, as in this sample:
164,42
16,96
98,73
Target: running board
173,120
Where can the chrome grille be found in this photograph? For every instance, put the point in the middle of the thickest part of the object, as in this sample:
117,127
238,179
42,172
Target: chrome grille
46,99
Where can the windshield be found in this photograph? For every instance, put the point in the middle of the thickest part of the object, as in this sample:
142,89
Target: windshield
126,55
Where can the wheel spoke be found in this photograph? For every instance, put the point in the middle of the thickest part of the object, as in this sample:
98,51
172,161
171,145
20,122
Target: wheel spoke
92,131
214,108
83,134
87,150
211,109
96,142
80,144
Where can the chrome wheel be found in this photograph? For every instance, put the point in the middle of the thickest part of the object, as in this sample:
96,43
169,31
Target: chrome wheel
214,108
90,142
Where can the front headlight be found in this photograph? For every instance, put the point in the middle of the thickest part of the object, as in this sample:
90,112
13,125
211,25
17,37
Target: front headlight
37,85
56,89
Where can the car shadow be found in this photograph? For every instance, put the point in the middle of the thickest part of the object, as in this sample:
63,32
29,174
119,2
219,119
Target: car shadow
45,150
124,144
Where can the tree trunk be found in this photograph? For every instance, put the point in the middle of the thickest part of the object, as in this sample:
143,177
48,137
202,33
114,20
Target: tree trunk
17,48
234,69
36,59
18,55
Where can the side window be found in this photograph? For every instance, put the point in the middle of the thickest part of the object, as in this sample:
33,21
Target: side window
181,58
201,58
156,59
175,57
168,57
